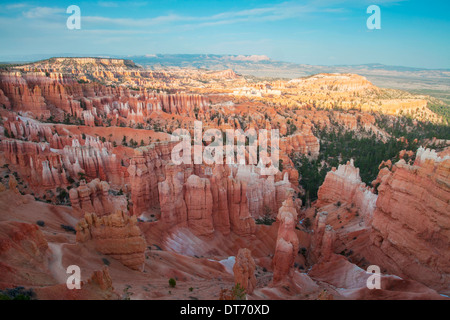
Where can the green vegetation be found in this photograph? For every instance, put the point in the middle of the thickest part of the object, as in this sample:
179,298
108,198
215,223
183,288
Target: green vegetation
408,128
17,293
40,223
238,292
69,228
442,110
267,220
63,196
81,176
126,293
307,223
172,282
337,146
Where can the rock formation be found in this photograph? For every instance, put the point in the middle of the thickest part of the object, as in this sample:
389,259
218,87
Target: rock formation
98,287
405,222
220,211
411,218
351,283
116,235
199,205
241,221
171,197
146,170
322,241
244,270
344,185
94,197
23,255
287,245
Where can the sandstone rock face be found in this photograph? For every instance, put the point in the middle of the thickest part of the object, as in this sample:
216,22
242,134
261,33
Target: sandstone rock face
217,201
116,235
303,143
241,221
322,241
13,184
146,170
410,223
405,223
199,205
191,202
47,168
244,270
94,159
102,279
352,282
262,192
345,185
171,196
23,254
35,163
339,82
97,287
283,190
219,185
93,197
287,245
19,93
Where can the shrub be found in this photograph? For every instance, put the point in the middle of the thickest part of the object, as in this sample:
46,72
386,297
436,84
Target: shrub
17,293
126,293
68,228
81,176
63,196
172,282
307,223
236,293
40,223
267,220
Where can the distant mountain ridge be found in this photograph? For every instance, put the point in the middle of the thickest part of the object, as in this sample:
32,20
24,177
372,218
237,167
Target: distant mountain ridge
420,80
181,60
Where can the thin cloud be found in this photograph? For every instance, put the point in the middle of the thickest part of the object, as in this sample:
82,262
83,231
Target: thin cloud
126,22
108,4
282,11
112,4
42,12
16,6
274,13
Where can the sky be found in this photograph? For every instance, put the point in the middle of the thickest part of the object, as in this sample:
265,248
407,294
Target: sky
413,33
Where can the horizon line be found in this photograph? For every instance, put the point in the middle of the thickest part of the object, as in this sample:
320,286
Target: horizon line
9,59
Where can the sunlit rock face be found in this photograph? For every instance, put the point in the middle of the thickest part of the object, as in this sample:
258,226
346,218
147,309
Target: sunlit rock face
410,222
116,235
244,270
344,185
404,218
287,243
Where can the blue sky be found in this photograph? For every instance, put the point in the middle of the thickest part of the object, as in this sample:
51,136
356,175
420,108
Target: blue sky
325,32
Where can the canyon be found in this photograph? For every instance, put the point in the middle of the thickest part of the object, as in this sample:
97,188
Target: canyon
87,178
